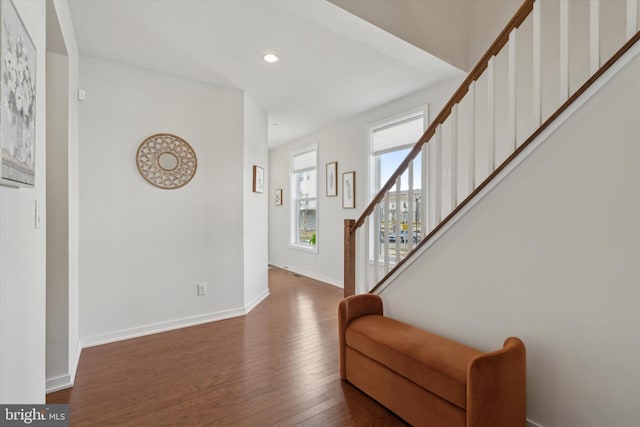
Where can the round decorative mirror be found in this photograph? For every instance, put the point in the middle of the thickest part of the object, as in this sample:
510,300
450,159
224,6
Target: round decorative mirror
166,161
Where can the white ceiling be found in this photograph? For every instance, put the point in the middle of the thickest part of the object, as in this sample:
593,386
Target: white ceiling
333,64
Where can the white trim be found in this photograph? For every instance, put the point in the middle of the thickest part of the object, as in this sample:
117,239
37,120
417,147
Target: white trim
154,328
491,116
313,249
454,159
564,50
58,383
537,73
512,120
66,381
594,36
373,179
437,144
73,363
405,115
631,54
632,18
254,302
318,277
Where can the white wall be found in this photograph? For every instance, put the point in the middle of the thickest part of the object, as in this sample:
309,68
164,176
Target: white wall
143,249
23,254
255,205
57,217
62,197
458,32
486,19
345,143
550,255
439,27
63,15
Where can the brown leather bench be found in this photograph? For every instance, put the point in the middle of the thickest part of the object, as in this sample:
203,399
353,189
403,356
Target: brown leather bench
426,379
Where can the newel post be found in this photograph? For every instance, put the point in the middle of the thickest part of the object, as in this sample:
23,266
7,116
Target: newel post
349,258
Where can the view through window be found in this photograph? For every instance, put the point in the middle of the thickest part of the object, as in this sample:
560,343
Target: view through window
390,144
304,197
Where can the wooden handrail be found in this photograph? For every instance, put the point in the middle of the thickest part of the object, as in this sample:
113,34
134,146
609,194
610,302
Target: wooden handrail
515,154
475,73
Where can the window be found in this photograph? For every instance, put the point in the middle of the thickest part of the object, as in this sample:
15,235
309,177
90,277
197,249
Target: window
304,198
389,144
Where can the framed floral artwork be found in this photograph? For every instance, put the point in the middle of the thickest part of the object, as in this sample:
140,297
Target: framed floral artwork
17,99
277,197
349,190
332,179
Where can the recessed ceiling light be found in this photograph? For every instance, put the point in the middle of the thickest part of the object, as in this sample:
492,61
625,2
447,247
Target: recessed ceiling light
270,57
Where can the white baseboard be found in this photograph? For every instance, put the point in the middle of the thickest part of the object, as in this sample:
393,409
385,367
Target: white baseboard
257,300
73,365
154,328
58,383
309,274
66,381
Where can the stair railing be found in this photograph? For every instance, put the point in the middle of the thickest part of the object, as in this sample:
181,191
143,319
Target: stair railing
487,122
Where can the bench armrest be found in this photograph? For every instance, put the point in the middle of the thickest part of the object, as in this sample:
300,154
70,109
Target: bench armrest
496,387
351,308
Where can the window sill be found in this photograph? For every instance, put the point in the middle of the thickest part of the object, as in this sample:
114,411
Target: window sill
304,248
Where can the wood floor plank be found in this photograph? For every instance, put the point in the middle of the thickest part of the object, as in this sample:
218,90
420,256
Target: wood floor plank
277,366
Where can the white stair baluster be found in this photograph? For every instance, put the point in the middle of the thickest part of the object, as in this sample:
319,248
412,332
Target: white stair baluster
454,156
537,64
594,36
491,113
511,114
397,226
438,176
432,184
472,137
564,50
425,206
377,235
385,239
367,253
632,18
410,207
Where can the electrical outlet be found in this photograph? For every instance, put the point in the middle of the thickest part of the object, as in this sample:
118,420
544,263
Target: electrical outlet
202,289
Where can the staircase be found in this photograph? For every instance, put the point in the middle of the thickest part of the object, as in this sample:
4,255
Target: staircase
546,58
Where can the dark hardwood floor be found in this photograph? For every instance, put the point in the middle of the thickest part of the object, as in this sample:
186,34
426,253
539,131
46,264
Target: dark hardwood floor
277,366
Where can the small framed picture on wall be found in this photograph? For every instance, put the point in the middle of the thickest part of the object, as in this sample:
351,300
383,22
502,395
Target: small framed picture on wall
277,197
349,190
258,179
332,179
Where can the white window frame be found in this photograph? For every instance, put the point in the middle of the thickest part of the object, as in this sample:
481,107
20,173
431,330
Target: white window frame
373,163
293,215
373,169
